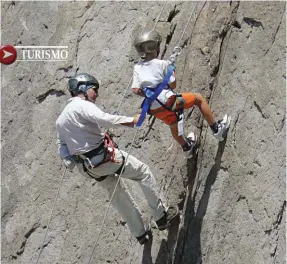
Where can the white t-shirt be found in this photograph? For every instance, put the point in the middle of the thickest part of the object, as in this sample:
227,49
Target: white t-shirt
78,128
150,74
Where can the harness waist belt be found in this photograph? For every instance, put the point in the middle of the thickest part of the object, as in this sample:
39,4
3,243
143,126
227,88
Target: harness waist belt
95,152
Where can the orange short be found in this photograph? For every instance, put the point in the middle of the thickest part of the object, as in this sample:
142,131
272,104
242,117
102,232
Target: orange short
169,117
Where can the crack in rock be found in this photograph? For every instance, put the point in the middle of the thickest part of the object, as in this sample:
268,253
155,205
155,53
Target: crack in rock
27,235
260,110
280,215
222,35
276,32
65,69
168,40
41,98
172,14
252,22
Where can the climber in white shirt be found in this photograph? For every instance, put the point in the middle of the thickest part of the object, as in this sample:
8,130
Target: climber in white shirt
81,142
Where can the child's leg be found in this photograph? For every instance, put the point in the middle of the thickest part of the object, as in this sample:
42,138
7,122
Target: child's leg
204,108
174,132
218,128
191,99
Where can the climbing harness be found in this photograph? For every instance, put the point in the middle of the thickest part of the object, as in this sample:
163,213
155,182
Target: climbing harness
105,152
152,94
96,157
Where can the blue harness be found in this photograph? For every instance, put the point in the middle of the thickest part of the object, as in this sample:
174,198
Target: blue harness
151,94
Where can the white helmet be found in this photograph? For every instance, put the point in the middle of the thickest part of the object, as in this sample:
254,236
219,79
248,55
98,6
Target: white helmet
147,41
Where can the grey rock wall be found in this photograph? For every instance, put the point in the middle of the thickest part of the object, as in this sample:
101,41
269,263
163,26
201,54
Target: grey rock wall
232,195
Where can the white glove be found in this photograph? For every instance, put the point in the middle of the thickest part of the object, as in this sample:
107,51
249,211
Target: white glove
69,163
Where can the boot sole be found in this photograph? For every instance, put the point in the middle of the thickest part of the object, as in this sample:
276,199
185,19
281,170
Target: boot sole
228,121
170,220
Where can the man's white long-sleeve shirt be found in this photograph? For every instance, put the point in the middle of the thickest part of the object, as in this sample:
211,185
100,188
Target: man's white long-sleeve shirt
78,128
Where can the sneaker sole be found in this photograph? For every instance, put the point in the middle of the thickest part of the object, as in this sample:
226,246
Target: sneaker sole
228,121
194,139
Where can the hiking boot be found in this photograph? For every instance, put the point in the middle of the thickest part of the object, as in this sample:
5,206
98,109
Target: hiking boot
191,140
164,222
146,236
223,126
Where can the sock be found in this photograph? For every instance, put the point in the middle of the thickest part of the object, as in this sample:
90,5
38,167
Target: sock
214,127
186,146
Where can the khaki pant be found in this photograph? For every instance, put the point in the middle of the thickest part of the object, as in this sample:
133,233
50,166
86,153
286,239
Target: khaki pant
123,202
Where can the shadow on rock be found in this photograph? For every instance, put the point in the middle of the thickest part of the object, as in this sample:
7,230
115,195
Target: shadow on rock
188,249
147,259
166,248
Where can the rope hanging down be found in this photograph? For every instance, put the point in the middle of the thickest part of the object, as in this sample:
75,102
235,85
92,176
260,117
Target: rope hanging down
106,213
134,137
175,53
41,248
177,49
123,98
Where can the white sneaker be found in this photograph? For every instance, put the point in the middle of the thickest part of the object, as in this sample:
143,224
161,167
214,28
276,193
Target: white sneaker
191,138
223,126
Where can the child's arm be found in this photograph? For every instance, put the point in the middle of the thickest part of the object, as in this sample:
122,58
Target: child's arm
172,84
138,91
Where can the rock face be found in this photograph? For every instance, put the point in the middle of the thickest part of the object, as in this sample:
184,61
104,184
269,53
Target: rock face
232,195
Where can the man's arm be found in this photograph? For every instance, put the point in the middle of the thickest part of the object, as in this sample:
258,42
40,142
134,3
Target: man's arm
63,152
62,147
96,115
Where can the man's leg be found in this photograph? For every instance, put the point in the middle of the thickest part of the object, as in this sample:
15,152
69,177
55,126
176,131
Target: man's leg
125,205
140,172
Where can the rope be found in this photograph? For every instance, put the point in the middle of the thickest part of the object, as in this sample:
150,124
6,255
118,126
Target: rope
41,249
177,49
159,15
122,100
191,13
106,213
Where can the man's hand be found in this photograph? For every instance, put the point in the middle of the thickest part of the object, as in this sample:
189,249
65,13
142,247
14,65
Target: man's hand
136,118
69,163
132,124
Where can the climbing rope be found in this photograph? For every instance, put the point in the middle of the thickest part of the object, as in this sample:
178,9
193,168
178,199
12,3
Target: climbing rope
119,177
106,213
123,97
177,49
176,52
41,249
